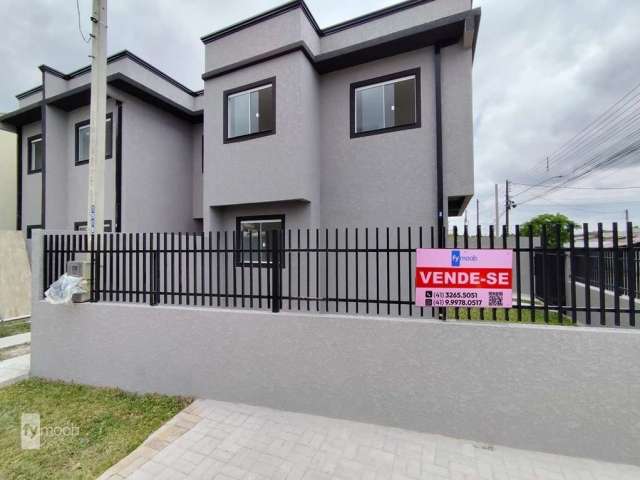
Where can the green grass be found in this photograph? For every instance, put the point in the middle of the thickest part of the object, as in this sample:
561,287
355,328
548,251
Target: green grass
14,327
509,315
111,424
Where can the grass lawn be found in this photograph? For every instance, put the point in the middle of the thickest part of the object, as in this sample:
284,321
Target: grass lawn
14,327
501,315
110,424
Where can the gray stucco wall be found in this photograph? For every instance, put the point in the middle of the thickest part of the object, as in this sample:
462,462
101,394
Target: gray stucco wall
157,169
378,180
563,390
31,183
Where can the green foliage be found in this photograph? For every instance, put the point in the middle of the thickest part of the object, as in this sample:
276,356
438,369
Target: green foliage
110,424
551,222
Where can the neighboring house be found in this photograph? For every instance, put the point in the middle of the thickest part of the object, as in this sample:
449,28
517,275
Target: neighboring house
366,123
7,181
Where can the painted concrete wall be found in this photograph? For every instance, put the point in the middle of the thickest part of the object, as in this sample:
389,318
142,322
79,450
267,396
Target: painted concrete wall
562,390
157,171
275,167
379,180
15,276
8,175
31,183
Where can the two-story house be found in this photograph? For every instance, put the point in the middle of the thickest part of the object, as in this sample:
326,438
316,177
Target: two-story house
365,123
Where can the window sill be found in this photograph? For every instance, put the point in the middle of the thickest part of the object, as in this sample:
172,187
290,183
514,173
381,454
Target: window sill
33,172
250,136
384,130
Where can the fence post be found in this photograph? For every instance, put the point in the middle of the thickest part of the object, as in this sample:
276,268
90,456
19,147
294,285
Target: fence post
276,296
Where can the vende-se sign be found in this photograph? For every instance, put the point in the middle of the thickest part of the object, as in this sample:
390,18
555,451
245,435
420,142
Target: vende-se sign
463,278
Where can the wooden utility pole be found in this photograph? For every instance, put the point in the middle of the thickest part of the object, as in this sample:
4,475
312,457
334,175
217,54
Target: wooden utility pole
97,117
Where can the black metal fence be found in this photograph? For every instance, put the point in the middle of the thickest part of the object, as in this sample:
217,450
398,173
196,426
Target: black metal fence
350,270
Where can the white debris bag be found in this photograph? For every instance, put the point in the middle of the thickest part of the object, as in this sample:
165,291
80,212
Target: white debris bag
61,291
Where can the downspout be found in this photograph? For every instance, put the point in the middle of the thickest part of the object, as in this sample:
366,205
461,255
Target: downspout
439,170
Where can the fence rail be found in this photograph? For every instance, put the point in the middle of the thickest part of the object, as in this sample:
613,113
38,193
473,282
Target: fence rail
351,270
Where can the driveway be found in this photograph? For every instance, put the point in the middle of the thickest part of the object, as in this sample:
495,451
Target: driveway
228,441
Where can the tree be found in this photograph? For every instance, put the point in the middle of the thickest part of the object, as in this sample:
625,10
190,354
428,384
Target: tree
550,221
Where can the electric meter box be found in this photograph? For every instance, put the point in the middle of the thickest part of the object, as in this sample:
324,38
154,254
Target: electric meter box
82,269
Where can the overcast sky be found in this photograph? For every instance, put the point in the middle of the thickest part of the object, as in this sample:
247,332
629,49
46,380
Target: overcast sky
543,70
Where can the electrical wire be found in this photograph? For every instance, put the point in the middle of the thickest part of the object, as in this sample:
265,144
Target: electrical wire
86,39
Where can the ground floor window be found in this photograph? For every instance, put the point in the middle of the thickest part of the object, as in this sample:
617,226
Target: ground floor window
82,226
254,238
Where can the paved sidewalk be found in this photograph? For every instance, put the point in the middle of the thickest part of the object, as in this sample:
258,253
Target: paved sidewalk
14,369
227,441
15,340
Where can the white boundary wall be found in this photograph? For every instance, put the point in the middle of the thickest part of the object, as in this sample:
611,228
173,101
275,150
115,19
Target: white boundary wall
567,390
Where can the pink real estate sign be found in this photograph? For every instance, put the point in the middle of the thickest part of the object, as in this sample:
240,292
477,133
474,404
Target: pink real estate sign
463,278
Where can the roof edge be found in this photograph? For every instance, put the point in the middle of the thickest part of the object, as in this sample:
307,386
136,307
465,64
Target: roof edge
31,91
115,57
287,7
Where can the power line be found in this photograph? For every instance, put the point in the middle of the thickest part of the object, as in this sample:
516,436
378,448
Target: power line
86,39
594,125
577,188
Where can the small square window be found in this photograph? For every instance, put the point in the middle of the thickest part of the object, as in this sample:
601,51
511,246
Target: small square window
34,146
82,140
30,229
82,226
254,239
386,104
250,111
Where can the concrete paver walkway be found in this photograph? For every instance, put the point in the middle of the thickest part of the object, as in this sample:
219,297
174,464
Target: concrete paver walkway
14,340
14,369
227,441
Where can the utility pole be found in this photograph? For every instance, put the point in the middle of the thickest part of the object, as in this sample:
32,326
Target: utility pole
477,211
97,117
507,204
497,211
626,215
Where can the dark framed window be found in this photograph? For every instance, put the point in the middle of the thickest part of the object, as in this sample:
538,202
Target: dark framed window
30,228
249,111
385,104
34,154
82,140
82,226
254,239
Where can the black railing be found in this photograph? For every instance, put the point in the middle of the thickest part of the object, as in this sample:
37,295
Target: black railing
350,270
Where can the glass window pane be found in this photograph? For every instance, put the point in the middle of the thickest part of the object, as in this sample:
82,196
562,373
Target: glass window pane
83,143
36,154
369,111
404,102
254,114
386,105
109,135
238,115
265,102
257,236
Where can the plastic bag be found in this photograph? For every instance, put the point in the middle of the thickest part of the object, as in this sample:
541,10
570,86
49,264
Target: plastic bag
61,291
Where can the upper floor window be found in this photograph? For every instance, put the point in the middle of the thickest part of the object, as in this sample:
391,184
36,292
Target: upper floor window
34,150
250,111
82,140
386,103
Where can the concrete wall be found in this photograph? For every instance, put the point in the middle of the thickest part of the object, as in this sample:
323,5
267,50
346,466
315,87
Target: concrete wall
272,168
563,390
379,180
31,183
157,169
15,276
8,173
